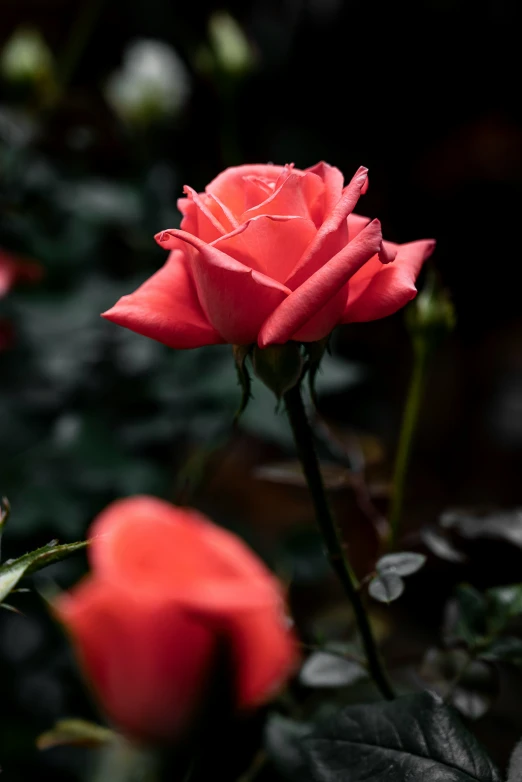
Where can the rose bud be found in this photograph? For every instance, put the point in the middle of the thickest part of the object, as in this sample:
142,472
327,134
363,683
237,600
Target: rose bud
269,254
168,593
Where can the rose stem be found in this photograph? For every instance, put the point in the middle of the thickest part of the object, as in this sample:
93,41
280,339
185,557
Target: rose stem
336,551
408,426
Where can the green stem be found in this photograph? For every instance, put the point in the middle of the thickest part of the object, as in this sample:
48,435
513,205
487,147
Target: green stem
331,535
408,426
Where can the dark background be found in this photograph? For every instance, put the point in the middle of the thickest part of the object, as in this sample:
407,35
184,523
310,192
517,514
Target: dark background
426,95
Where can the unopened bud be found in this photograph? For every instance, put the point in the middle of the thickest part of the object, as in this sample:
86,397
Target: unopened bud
279,366
232,50
431,316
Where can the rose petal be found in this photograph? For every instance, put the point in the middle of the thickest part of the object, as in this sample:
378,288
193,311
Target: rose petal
377,291
332,235
333,184
178,553
166,308
198,218
307,301
229,186
268,243
148,663
299,194
236,299
260,675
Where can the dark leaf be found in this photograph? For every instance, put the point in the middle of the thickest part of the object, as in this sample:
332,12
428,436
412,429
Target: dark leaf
402,563
504,604
386,587
507,649
497,525
470,685
283,738
472,608
412,738
439,545
291,473
326,669
515,764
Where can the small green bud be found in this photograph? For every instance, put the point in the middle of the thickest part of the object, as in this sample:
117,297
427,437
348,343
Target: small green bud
431,317
232,50
279,366
26,60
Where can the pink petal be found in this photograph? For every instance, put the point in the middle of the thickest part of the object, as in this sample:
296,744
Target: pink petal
166,308
229,185
298,194
332,235
179,554
333,184
236,299
317,291
198,217
377,291
270,244
148,663
264,652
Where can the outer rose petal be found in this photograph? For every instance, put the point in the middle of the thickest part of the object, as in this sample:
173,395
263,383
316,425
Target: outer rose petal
377,291
299,194
236,299
148,663
317,291
229,188
180,554
270,244
260,675
166,308
332,235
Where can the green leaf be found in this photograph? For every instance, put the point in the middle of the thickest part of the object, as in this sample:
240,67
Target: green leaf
326,669
412,738
75,732
402,563
11,572
386,587
504,604
507,649
472,609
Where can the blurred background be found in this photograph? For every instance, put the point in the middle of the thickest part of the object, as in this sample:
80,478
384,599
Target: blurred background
106,111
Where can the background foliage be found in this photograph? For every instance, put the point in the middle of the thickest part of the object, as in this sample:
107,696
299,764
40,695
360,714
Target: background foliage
423,94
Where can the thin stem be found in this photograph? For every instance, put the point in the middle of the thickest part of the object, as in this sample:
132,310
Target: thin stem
408,426
334,545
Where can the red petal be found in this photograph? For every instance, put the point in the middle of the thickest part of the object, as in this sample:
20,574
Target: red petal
299,194
166,308
148,663
332,235
377,291
269,244
229,186
236,299
179,554
317,291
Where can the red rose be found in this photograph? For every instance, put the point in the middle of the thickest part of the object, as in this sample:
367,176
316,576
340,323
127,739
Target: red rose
269,254
168,589
14,269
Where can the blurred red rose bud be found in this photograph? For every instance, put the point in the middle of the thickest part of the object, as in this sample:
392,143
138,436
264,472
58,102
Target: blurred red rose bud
169,591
